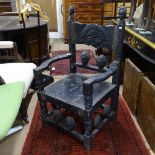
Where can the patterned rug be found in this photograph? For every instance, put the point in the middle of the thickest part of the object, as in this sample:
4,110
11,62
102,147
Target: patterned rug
62,66
120,137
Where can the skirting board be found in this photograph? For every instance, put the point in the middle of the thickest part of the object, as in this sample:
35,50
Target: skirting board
55,35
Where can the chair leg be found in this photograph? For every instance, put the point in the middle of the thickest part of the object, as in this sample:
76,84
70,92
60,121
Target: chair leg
88,129
115,96
24,107
23,111
44,111
114,100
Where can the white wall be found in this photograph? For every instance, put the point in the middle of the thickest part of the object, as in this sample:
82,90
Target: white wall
14,4
58,34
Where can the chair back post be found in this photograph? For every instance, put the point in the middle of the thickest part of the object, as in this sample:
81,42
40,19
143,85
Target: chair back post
72,48
118,43
119,35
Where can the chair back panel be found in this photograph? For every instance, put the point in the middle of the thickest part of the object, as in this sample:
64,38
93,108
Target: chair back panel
92,34
101,37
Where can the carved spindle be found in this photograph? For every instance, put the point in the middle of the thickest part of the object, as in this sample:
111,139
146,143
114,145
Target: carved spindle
97,121
122,12
85,57
101,61
57,116
88,124
70,123
43,105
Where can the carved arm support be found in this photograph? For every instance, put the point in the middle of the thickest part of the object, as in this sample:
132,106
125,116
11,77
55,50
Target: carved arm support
88,84
44,80
45,65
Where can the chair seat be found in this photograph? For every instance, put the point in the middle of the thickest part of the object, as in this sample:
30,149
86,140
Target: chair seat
70,91
10,100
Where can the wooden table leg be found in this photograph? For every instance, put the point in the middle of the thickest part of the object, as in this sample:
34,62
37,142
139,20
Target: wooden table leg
132,11
149,15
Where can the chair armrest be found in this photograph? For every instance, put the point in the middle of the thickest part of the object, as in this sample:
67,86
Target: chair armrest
37,71
88,84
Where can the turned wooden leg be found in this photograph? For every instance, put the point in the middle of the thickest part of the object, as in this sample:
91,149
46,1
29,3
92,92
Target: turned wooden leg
115,96
144,14
43,106
133,8
23,111
148,20
88,129
114,104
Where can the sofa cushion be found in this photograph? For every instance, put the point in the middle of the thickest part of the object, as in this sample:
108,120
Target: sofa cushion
10,100
12,72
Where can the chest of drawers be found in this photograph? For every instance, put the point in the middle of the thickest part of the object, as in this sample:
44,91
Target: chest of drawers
89,11
5,6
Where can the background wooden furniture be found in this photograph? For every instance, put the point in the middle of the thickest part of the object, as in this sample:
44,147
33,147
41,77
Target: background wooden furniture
139,84
49,8
12,30
146,108
90,11
8,52
5,6
139,93
131,85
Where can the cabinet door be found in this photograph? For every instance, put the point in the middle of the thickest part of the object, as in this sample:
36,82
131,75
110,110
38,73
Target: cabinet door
5,7
146,109
131,84
84,7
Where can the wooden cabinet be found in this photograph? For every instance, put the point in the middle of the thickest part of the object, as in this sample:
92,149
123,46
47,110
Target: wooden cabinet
90,11
31,46
146,108
139,94
5,6
131,85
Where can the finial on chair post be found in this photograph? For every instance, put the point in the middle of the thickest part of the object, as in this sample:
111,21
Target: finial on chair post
71,10
120,34
71,15
70,21
122,12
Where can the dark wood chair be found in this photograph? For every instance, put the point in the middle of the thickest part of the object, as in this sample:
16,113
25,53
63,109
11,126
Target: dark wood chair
80,94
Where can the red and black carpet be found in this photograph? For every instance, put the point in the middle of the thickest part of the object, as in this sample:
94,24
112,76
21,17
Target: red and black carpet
120,137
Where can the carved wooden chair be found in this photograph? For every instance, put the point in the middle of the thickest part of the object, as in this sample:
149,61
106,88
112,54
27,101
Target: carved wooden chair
78,93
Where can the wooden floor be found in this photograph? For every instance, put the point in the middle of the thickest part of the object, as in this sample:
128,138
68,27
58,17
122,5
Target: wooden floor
13,145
